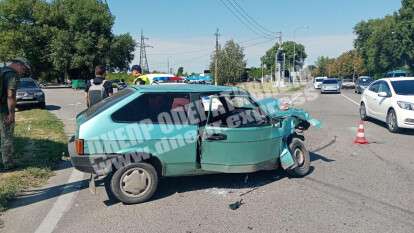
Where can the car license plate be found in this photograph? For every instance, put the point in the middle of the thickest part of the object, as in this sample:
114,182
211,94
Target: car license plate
27,97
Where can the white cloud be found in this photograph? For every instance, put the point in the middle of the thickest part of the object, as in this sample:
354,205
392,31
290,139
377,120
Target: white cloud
194,53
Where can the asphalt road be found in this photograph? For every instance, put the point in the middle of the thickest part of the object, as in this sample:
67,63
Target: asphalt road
352,188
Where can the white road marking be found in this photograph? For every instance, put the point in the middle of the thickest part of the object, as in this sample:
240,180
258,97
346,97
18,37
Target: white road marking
351,100
62,204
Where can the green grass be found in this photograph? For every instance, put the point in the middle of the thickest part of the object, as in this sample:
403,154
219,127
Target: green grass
40,143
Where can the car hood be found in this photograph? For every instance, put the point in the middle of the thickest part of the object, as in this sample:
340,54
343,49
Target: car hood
271,107
406,98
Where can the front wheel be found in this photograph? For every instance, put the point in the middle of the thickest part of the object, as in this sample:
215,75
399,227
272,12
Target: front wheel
134,183
363,112
392,122
301,154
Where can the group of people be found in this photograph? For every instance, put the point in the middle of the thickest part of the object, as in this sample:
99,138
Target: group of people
9,79
98,88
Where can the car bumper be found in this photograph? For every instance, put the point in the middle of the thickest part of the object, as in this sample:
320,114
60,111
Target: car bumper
330,90
95,164
405,118
20,102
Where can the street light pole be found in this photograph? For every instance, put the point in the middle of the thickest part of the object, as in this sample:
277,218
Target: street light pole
294,46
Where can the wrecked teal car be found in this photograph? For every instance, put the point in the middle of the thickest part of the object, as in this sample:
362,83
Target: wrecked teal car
143,133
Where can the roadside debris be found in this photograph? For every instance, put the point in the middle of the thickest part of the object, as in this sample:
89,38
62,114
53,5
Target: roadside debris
249,191
236,205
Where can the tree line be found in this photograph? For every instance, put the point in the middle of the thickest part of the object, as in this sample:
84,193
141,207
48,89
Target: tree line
63,38
381,45
232,63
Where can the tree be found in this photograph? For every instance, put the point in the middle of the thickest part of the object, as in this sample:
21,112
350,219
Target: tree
122,52
180,71
289,48
255,72
231,63
62,37
324,66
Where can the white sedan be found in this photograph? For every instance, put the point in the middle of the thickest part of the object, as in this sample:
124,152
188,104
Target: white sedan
390,100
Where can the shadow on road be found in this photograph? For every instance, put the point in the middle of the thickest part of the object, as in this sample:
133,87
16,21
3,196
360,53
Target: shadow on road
171,185
384,125
53,107
32,196
315,156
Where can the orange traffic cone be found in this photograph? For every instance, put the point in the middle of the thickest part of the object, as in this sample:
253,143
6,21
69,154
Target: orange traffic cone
360,138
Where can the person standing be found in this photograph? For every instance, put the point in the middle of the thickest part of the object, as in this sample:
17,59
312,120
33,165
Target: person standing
140,79
9,78
98,88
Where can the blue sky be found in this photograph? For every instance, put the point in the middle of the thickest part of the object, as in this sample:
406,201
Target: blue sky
181,31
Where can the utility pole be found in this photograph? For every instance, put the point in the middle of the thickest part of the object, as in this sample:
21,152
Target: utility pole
262,73
217,34
143,61
278,66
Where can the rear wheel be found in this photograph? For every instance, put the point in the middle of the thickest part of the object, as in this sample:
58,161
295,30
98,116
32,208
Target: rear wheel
363,112
134,183
301,154
392,122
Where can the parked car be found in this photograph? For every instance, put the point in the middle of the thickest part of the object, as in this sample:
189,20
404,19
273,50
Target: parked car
331,85
390,100
362,83
317,82
348,84
396,74
29,93
143,133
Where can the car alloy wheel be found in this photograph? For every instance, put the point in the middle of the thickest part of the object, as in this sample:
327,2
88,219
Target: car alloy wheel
392,121
363,112
135,182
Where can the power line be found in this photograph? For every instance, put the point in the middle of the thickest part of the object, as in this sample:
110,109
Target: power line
249,20
248,26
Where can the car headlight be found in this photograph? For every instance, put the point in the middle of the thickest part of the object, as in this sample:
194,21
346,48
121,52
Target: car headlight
406,105
37,94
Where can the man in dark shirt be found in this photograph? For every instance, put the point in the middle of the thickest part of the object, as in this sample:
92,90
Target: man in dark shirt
100,73
9,79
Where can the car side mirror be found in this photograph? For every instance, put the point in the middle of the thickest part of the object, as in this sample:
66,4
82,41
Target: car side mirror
383,94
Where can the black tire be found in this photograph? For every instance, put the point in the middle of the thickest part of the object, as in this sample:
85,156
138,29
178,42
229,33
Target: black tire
363,112
42,105
298,149
144,170
392,123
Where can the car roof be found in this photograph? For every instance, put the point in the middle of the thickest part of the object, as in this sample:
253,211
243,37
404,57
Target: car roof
186,88
398,79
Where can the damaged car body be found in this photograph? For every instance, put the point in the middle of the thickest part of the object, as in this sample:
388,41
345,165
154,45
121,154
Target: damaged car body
144,133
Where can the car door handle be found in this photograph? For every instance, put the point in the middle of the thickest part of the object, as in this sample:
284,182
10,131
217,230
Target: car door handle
216,137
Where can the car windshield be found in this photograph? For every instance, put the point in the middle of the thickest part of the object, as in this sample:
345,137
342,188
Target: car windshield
330,81
319,79
27,84
403,87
